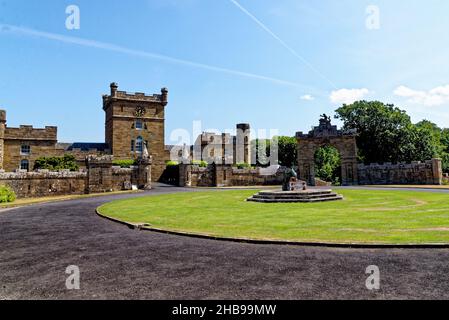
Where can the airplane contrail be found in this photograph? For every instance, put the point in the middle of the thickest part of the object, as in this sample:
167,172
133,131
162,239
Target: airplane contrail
5,28
282,42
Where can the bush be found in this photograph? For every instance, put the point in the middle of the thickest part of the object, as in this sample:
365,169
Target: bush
7,194
202,164
172,163
67,162
124,163
243,166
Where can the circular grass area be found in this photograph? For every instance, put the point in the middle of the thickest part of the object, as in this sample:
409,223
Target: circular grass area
365,216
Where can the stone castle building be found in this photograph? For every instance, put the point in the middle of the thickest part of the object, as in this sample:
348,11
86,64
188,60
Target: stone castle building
224,148
132,120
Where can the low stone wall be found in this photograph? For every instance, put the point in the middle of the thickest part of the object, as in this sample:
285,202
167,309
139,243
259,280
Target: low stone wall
123,178
226,176
100,176
44,183
254,177
427,173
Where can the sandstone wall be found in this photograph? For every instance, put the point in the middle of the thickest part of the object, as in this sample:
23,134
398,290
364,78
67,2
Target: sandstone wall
226,176
427,173
44,183
100,176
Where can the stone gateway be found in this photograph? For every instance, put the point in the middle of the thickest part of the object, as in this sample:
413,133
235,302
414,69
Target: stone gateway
327,134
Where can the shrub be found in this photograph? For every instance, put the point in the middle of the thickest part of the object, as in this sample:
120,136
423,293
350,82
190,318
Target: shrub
67,162
124,163
172,163
202,164
243,166
7,194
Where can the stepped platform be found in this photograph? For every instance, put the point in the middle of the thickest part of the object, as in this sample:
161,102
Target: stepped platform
304,196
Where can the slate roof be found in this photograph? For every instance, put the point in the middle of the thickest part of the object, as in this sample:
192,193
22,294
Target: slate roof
86,146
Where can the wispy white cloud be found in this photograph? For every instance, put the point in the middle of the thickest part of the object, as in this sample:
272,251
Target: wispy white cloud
307,97
282,42
434,97
142,54
348,96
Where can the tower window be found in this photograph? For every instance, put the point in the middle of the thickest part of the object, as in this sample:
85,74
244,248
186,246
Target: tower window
139,144
139,124
133,145
25,165
25,149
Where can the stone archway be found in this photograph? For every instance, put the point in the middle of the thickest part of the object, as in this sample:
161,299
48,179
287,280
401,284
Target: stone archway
327,134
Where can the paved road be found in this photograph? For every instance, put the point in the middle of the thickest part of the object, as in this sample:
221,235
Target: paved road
38,243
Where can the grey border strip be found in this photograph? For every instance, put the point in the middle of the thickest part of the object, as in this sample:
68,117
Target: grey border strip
281,242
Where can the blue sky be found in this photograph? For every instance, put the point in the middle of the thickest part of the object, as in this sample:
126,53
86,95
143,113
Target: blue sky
299,59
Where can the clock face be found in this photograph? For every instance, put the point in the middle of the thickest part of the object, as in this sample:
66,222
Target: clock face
140,111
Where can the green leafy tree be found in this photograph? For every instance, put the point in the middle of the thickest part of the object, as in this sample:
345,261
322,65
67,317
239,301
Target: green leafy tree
384,131
327,164
287,150
427,144
445,147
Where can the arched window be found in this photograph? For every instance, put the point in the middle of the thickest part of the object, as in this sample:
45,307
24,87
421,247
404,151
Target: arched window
139,124
139,144
25,165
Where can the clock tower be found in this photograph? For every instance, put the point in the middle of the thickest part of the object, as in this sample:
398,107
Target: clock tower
135,119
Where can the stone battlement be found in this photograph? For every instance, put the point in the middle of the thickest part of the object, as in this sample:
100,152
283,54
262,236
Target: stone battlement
26,132
136,96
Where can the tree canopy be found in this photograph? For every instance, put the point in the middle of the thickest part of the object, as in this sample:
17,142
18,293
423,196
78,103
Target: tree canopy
387,134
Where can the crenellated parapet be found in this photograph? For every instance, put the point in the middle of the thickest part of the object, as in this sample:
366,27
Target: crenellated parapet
26,132
115,95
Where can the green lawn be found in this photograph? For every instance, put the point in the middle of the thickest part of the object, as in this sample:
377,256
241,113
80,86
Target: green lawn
365,216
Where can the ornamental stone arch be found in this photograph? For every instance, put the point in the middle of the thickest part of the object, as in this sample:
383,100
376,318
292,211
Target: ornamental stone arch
327,134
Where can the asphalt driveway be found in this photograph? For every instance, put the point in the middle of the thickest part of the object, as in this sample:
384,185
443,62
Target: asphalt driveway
37,244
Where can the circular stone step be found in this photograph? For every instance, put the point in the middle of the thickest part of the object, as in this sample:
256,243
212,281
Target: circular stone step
306,196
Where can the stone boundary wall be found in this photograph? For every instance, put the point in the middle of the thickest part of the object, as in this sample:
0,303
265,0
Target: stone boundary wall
253,177
419,173
44,183
100,176
225,176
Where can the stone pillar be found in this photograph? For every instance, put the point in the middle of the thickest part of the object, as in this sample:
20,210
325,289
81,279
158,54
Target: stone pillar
307,171
2,136
243,143
114,88
99,175
223,175
437,171
349,173
164,95
144,174
185,175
